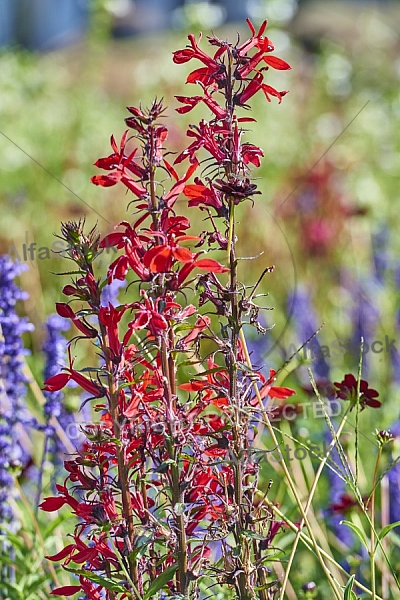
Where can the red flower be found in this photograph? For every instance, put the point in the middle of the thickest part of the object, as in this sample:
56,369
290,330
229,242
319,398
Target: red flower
133,257
202,323
205,135
273,391
256,84
120,165
194,51
251,154
160,258
214,385
65,311
110,317
201,195
191,102
57,382
343,504
147,316
347,390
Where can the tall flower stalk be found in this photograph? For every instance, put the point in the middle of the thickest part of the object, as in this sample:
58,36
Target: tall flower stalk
14,417
168,476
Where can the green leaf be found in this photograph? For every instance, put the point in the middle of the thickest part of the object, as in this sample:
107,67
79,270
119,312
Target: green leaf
209,371
183,327
253,535
387,529
179,508
243,367
163,468
106,582
161,581
348,590
189,363
266,586
141,545
13,587
357,531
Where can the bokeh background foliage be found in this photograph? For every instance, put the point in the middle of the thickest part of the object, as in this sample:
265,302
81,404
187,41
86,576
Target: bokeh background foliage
327,218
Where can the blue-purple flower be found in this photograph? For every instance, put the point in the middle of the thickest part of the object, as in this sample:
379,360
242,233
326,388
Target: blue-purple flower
394,482
305,324
13,412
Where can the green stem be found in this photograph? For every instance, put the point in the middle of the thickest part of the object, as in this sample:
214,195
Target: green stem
329,576
372,547
168,368
309,543
307,506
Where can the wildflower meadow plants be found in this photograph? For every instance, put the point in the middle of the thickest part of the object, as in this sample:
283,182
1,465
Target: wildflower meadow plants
167,487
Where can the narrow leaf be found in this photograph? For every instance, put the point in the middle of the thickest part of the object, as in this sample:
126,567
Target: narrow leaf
348,590
161,581
357,531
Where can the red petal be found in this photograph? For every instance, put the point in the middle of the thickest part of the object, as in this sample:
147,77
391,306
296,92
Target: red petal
136,188
112,239
276,63
107,180
201,74
220,402
158,259
195,191
373,403
87,384
171,170
62,554
57,382
250,24
64,310
193,386
183,255
52,504
210,265
108,162
281,392
66,590
184,109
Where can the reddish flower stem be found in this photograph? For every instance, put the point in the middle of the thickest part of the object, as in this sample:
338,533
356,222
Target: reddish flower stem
168,371
122,466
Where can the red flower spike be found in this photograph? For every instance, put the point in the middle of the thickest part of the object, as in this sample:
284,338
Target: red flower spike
125,467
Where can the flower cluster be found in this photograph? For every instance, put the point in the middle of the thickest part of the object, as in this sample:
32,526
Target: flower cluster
167,476
54,349
13,381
